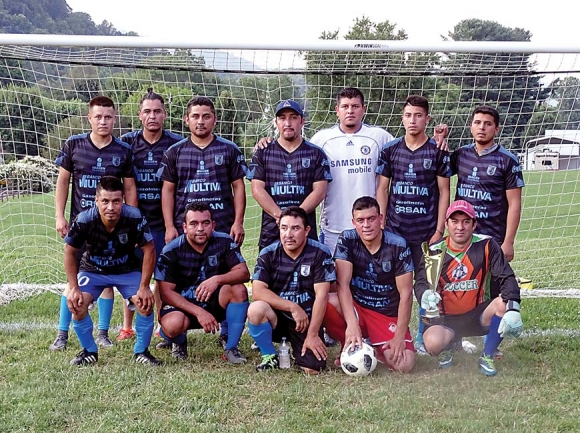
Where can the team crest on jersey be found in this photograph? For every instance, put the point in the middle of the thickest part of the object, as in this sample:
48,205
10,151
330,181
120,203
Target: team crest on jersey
219,159
427,163
212,260
306,162
365,150
123,238
491,169
459,272
386,266
116,161
305,270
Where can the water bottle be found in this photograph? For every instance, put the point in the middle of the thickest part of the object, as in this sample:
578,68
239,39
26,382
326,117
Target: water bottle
284,354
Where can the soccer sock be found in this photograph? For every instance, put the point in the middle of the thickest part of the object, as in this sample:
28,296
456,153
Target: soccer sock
420,326
224,327
144,329
493,339
334,324
64,316
236,316
105,313
84,330
177,340
262,335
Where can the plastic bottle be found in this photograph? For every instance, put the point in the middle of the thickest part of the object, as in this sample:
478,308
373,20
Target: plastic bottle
284,354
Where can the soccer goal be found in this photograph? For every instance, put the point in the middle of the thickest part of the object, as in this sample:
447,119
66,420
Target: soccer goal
47,80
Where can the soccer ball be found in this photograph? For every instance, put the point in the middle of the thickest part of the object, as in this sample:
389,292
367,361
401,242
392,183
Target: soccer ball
360,361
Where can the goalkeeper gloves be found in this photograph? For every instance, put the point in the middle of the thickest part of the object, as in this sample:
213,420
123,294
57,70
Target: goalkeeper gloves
511,324
430,300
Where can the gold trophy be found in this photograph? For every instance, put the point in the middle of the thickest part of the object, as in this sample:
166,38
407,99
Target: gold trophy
433,266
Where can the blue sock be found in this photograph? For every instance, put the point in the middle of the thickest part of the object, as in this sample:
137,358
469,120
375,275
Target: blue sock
262,335
236,317
493,339
144,329
224,327
105,313
177,340
64,315
421,326
84,330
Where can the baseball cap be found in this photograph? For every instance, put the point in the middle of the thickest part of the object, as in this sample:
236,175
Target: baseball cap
292,105
461,206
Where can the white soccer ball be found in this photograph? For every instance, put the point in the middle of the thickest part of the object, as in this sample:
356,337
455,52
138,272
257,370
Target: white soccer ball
360,361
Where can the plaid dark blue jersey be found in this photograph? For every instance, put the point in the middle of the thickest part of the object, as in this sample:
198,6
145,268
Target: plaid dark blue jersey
183,266
109,252
146,162
294,279
204,176
373,283
414,193
87,163
483,182
289,178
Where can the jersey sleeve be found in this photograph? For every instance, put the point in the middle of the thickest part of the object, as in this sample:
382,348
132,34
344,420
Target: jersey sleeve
168,169
343,250
443,163
453,161
514,177
238,168
233,255
322,169
262,269
502,272
257,170
384,167
166,268
76,235
64,158
324,271
127,168
404,261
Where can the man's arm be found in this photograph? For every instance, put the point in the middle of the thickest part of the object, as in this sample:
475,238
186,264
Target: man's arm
71,268
171,297
264,199
383,187
260,292
144,298
315,197
514,199
167,208
60,198
405,287
353,335
237,230
443,183
313,341
130,191
239,274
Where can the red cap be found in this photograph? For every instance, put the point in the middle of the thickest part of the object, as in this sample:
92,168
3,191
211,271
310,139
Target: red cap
460,206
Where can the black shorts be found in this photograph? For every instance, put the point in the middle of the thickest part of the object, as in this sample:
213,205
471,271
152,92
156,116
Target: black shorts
212,306
467,324
286,327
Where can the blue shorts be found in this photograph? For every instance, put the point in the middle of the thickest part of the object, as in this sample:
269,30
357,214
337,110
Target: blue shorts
94,283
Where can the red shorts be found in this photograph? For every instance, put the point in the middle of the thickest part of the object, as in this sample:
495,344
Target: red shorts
378,327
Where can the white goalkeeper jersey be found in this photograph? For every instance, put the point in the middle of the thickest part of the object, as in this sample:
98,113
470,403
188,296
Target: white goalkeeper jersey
353,162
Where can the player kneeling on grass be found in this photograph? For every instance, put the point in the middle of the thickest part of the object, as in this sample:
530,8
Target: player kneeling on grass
111,230
374,290
289,290
201,277
470,262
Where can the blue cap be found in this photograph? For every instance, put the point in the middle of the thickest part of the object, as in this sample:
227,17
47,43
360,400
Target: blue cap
292,105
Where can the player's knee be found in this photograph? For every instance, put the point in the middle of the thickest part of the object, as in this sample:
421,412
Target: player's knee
258,312
107,293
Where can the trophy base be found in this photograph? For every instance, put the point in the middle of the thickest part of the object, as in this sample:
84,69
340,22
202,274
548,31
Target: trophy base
431,321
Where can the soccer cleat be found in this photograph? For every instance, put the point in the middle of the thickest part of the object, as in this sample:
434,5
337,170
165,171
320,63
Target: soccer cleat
222,340
468,347
254,346
445,359
233,356
486,365
165,344
147,358
104,341
125,334
84,357
328,340
269,362
498,354
420,348
179,351
59,343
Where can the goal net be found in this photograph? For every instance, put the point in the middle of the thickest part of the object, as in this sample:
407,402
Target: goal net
45,85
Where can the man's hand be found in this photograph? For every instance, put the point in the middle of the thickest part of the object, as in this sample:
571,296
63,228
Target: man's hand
74,300
170,234
144,300
300,317
263,143
207,321
62,226
430,300
508,251
206,289
397,352
439,135
352,337
511,324
237,233
316,345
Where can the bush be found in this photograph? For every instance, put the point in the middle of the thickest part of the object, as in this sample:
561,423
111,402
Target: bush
32,176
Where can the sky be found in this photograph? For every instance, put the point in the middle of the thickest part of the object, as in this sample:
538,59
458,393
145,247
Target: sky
302,21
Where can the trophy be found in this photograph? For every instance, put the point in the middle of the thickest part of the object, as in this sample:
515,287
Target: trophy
433,265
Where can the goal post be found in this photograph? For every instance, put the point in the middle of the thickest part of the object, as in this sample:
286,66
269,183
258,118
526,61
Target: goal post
47,80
